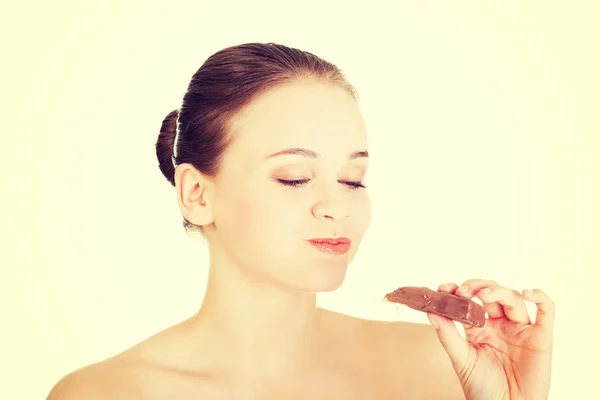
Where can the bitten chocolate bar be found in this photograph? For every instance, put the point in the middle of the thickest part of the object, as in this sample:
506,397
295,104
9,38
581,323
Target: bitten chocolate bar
448,305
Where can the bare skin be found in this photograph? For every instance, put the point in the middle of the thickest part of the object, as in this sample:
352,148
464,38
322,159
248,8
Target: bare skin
354,359
259,333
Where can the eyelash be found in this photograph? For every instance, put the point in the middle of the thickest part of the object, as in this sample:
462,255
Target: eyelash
296,183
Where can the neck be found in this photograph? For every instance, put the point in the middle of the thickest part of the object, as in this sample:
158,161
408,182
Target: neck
255,326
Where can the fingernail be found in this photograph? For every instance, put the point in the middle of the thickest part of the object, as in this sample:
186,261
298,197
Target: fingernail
486,291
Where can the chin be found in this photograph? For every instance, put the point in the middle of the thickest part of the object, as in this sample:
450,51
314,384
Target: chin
323,278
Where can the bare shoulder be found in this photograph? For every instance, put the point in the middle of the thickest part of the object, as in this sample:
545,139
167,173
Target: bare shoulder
412,357
106,379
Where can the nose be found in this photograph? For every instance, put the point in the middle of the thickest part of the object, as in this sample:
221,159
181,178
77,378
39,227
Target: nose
331,204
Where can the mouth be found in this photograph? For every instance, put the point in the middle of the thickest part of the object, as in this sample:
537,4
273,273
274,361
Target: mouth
335,246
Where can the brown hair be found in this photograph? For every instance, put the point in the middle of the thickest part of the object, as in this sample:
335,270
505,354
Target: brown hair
226,83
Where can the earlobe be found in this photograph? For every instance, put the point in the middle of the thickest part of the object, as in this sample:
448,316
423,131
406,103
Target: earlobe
198,213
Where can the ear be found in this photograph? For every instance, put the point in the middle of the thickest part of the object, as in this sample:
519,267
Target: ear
194,194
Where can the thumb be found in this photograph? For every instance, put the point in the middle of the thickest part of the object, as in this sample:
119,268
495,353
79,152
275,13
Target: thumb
456,347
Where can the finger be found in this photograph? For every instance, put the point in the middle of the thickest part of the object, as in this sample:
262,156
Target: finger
471,288
449,287
493,310
511,301
456,347
545,307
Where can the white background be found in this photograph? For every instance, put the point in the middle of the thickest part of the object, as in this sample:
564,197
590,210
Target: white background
483,134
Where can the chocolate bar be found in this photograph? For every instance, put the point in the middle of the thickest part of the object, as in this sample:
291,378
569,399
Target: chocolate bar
446,304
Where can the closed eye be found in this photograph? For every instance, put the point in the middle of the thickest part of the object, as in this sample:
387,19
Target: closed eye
300,182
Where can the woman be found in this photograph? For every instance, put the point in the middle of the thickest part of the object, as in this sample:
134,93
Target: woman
268,154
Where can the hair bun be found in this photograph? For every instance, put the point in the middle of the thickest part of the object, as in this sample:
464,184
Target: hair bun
165,145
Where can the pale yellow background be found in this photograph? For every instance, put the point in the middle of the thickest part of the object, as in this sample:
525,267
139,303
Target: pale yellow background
483,121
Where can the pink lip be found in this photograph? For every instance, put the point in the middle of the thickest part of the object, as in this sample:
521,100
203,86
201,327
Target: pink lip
335,246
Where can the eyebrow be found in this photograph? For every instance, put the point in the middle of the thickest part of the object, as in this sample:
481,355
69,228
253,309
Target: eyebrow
312,154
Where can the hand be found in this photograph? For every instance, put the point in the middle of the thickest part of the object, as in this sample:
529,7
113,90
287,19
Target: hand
509,358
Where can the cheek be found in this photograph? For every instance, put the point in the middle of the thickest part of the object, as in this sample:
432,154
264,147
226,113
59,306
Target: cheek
256,224
369,213
237,217
273,223
363,214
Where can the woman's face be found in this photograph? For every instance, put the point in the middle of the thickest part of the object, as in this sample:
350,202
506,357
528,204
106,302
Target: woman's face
263,223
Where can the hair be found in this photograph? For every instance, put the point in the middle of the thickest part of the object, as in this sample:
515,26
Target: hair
199,131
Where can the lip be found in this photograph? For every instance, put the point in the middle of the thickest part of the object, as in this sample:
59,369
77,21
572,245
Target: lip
334,246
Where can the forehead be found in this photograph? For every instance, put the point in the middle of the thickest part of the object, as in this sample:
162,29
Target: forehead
307,114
